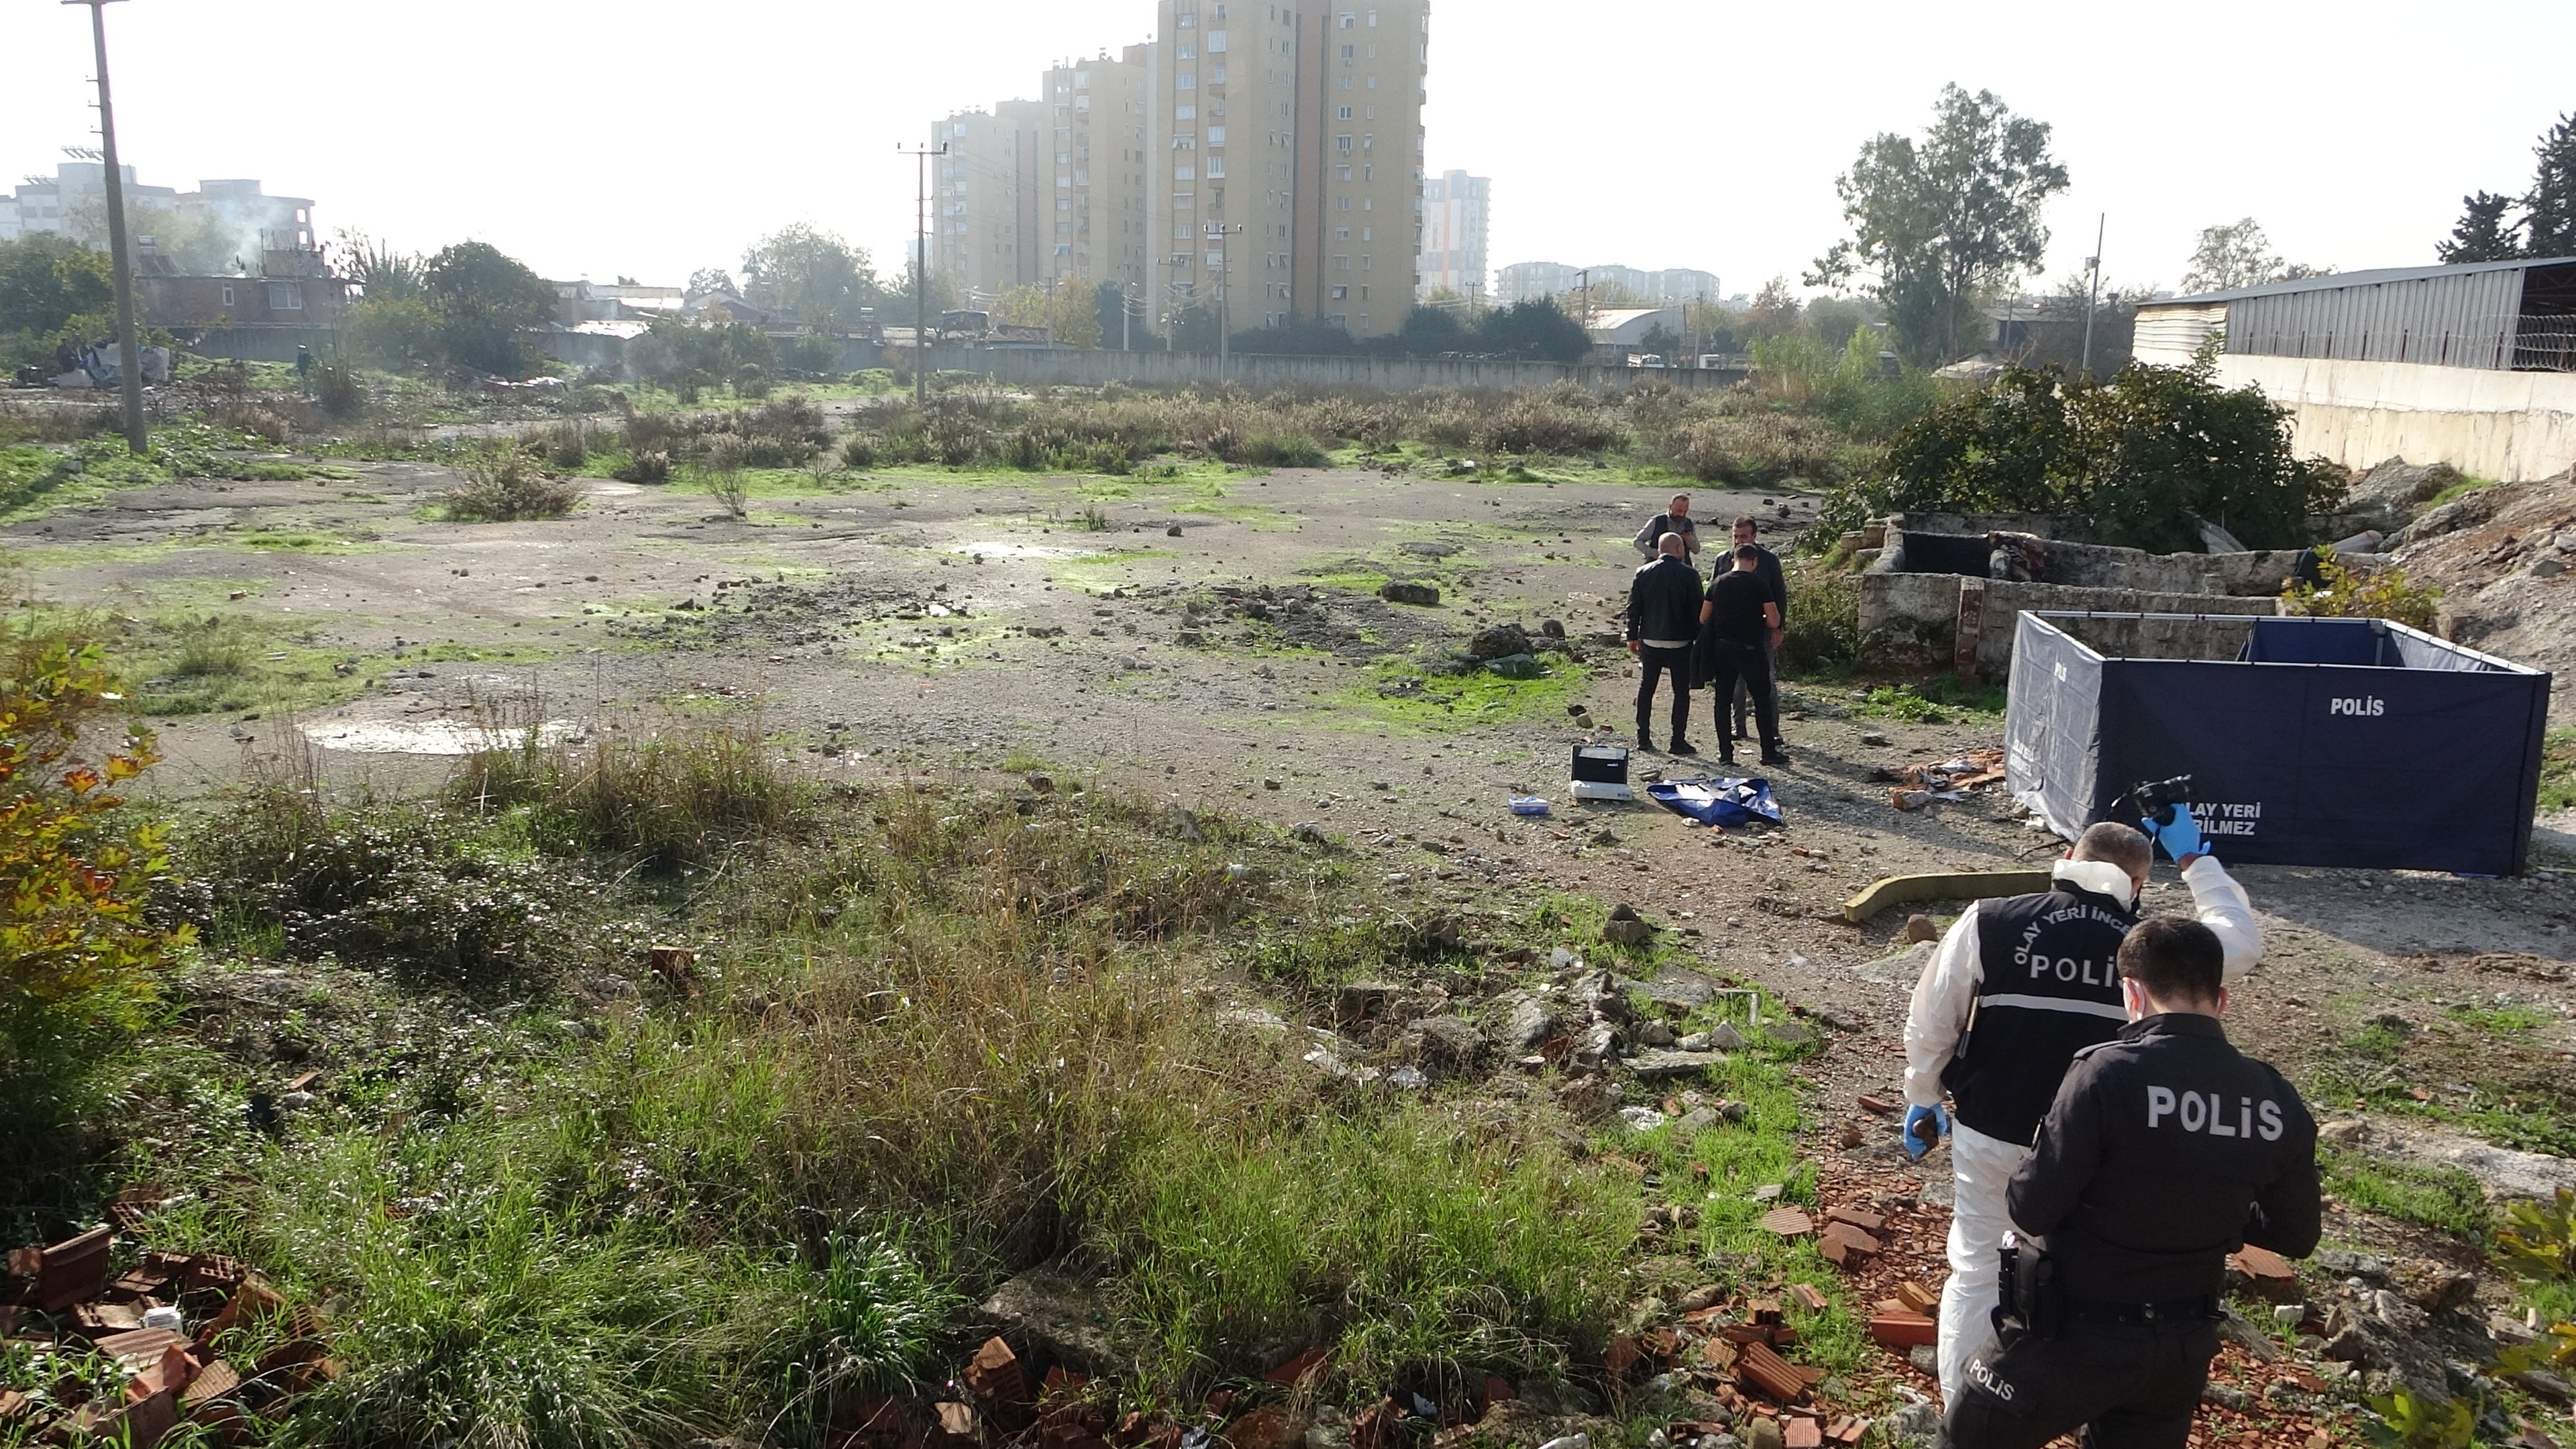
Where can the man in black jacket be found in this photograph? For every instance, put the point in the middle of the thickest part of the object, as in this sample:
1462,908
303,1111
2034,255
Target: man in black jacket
2165,1151
1736,625
1766,567
1663,619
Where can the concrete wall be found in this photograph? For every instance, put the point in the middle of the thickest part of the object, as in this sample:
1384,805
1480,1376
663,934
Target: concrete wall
2086,565
1071,367
2507,425
1970,622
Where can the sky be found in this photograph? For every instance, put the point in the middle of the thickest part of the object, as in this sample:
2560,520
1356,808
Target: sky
602,138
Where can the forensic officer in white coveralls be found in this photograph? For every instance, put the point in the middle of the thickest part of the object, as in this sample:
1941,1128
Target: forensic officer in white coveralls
2017,988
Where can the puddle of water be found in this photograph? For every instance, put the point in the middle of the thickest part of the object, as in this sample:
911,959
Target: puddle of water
426,736
1022,550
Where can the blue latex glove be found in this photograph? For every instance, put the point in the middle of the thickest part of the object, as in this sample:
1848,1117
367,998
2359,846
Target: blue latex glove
2180,839
1923,1126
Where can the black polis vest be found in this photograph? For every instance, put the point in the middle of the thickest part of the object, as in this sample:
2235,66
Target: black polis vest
2051,989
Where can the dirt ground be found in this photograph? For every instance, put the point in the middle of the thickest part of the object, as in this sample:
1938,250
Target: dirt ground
909,624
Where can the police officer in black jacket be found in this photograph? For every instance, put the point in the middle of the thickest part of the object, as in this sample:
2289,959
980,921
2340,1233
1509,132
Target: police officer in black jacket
1663,620
2165,1151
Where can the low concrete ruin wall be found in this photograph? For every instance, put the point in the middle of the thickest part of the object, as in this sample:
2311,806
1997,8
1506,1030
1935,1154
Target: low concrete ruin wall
2087,565
1078,368
1970,621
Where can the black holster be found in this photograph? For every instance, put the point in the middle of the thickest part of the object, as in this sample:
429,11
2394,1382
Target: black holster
2028,1298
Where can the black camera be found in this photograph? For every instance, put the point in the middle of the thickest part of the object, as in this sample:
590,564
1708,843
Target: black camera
2156,799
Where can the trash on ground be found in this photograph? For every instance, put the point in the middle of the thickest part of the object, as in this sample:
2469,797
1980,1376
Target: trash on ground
1722,801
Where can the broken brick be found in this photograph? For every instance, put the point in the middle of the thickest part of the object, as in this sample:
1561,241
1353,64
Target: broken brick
956,1420
1902,1331
1621,1356
1765,1311
70,1271
1788,1222
1917,1297
1800,1432
1265,1428
1867,1222
1880,1105
1768,1374
137,1348
1807,1296
142,1424
1295,1371
1499,1389
995,1373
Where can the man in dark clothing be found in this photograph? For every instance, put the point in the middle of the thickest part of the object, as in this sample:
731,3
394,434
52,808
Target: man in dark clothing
1663,619
1675,519
2016,989
1746,530
1734,624
2165,1151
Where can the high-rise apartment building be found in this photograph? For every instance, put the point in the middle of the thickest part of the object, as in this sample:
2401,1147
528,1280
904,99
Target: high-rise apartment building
1098,226
986,196
1455,210
1364,75
1258,157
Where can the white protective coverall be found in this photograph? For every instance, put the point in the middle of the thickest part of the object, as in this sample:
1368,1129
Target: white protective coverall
1945,1002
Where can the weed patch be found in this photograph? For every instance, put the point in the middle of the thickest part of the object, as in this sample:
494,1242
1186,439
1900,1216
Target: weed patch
505,486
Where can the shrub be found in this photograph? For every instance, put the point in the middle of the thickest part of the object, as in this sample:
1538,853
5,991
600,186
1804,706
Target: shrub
504,486
1822,630
649,468
726,481
338,391
2343,592
2147,455
860,451
566,445
1566,420
1284,450
670,799
77,952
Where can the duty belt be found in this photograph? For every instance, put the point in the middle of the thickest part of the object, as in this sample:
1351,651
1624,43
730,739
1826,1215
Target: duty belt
2172,1311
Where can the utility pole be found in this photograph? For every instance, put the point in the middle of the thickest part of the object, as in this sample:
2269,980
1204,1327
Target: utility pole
2093,295
920,274
129,358
1218,232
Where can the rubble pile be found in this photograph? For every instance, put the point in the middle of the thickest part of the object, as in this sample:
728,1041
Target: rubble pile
1917,786
115,1358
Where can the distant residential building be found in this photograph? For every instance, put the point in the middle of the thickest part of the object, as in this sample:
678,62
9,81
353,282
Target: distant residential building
586,301
234,216
1098,216
1456,210
1530,281
1267,157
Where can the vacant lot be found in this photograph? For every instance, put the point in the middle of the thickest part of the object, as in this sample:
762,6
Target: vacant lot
1073,862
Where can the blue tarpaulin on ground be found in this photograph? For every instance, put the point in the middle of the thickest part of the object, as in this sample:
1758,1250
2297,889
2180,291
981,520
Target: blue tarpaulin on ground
2326,742
1717,802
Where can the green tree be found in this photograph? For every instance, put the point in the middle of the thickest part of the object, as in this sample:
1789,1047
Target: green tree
1942,223
800,268
2483,234
47,282
2228,257
2549,211
394,332
382,273
1193,326
1536,331
1109,310
485,302
2147,456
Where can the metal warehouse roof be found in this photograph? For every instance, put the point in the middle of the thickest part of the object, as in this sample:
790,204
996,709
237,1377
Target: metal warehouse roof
2356,279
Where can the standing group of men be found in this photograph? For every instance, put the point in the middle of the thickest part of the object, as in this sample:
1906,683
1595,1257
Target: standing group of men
1723,633
2109,1147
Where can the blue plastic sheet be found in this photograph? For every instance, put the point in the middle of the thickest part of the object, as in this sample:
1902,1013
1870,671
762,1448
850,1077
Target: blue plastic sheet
1718,801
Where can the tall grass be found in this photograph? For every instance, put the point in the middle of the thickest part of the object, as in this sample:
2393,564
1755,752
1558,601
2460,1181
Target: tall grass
504,485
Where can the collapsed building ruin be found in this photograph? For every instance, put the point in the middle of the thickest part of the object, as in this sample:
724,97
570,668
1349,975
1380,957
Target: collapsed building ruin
1946,588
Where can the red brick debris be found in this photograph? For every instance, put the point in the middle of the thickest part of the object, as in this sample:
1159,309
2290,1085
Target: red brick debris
59,1299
